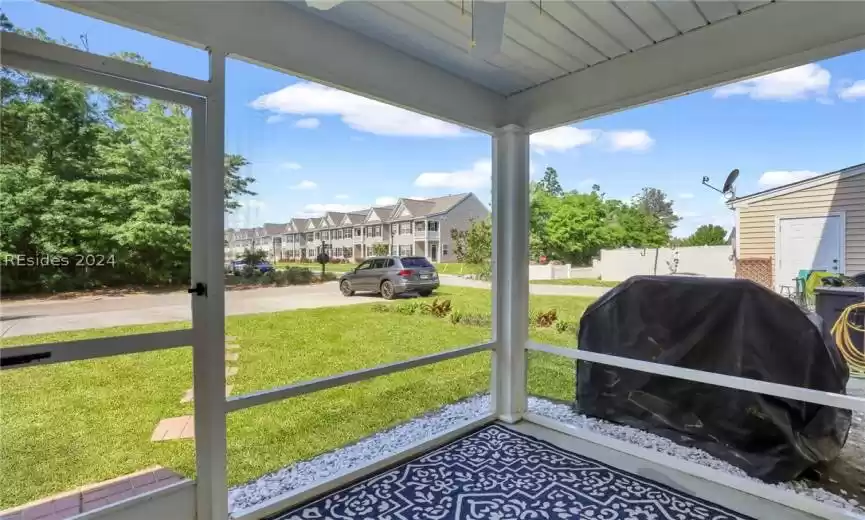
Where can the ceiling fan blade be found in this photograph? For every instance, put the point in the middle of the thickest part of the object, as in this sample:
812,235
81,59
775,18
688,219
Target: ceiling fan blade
489,28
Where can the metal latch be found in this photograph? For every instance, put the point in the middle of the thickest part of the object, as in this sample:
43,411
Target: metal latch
23,359
200,289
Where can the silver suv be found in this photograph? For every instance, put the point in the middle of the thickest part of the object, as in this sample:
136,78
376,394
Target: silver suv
390,276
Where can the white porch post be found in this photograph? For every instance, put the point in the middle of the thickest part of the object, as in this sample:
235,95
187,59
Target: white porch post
208,311
510,270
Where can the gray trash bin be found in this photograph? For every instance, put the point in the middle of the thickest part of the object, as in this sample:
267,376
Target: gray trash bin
831,301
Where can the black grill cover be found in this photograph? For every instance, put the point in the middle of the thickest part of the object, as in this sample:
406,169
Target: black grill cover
725,326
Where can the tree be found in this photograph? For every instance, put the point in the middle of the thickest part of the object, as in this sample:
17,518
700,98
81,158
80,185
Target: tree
653,201
579,227
380,249
550,183
474,245
89,171
707,235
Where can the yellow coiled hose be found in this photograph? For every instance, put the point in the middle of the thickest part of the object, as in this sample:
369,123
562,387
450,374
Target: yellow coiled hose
843,333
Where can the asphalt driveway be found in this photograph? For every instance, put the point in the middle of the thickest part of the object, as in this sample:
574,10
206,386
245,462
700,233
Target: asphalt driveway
21,318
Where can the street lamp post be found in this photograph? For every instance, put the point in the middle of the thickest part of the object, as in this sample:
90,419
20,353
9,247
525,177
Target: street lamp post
323,258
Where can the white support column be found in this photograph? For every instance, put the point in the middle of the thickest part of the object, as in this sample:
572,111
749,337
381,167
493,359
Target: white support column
510,270
208,312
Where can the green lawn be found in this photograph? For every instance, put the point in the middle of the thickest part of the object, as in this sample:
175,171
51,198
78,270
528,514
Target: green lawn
70,424
590,282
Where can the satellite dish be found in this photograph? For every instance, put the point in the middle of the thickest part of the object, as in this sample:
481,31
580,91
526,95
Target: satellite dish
731,180
728,191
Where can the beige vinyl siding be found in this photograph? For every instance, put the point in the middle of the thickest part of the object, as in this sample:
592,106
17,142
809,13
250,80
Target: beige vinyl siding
757,220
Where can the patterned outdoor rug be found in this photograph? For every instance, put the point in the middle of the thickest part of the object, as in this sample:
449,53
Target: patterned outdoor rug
496,473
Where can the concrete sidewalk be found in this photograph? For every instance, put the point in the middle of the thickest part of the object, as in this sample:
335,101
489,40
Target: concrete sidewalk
542,289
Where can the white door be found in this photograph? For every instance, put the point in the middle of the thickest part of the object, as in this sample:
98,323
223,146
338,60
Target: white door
808,243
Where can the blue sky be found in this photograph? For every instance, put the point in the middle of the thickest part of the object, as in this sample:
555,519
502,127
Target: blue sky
314,148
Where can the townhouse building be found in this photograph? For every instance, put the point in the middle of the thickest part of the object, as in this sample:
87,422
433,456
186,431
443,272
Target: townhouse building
418,227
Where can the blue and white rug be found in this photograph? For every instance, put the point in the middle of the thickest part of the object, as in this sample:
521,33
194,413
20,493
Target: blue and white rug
496,473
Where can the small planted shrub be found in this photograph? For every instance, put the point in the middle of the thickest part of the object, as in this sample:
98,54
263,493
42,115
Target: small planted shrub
440,309
471,319
566,326
546,319
409,308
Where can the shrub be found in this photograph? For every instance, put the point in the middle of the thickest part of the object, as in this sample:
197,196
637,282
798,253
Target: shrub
456,317
545,319
440,309
566,326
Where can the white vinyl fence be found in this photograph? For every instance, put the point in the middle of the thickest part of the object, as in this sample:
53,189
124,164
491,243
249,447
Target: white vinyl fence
620,264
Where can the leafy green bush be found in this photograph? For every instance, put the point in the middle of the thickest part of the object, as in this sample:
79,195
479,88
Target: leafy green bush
564,326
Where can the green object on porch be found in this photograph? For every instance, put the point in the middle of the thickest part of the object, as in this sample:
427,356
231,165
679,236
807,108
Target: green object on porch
813,280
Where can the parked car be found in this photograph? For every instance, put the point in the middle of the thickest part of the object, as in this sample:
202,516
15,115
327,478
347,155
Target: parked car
236,267
390,276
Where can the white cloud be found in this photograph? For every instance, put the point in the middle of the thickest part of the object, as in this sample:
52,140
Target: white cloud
341,196
305,185
276,118
417,197
779,178
562,139
308,122
688,214
360,113
291,166
798,83
853,91
312,210
479,175
686,196
637,140
385,201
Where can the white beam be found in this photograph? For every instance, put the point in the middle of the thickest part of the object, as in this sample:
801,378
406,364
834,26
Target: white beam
510,269
65,351
323,383
808,395
208,310
289,39
775,36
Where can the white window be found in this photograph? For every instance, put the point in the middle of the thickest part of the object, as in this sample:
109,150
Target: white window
444,249
432,225
405,228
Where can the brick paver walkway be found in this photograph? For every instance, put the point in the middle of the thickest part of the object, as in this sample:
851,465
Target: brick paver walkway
93,496
182,427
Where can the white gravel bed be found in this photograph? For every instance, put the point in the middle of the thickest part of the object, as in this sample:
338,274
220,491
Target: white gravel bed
565,414
398,438
359,454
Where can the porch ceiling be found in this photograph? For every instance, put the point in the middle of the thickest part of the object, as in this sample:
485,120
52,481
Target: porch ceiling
560,61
